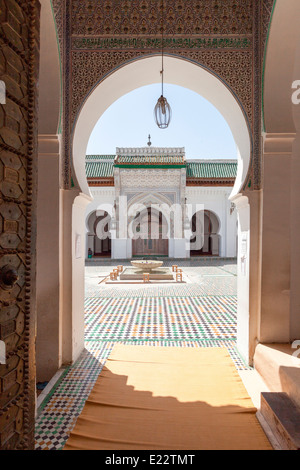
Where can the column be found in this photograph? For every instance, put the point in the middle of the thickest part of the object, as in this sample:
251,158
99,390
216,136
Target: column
248,207
276,237
48,346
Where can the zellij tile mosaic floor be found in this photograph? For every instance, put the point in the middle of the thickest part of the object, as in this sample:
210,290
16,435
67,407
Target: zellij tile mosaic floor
198,313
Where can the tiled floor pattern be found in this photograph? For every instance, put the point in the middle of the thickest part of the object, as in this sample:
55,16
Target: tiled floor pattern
180,318
219,285
201,313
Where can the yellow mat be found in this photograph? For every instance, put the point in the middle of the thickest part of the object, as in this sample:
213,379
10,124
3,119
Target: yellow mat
168,398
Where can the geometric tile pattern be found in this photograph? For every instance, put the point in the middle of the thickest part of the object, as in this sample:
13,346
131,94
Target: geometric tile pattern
220,285
57,416
180,318
200,313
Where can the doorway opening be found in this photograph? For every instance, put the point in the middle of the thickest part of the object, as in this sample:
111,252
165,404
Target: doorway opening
188,74
205,240
99,236
151,230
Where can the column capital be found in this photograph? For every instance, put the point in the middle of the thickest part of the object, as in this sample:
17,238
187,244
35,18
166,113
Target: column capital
49,144
281,143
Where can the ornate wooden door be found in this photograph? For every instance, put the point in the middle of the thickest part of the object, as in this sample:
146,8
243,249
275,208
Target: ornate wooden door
19,56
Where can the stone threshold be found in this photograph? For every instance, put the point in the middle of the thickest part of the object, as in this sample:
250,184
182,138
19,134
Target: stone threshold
279,367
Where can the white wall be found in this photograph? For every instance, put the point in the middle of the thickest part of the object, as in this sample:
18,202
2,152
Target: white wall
78,273
215,199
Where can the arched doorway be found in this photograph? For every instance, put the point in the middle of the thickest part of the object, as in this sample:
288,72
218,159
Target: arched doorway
191,75
102,239
98,235
205,240
151,231
178,71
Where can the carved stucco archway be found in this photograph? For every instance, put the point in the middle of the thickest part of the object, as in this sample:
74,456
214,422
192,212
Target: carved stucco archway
201,80
98,39
200,219
178,71
146,201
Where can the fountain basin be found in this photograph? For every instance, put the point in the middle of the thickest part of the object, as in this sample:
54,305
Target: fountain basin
146,266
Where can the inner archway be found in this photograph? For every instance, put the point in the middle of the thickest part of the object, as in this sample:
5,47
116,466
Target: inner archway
143,72
151,230
98,235
192,76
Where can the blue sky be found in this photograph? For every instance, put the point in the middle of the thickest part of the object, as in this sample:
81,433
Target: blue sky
196,124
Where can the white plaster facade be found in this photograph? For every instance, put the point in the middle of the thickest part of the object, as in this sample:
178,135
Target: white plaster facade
166,188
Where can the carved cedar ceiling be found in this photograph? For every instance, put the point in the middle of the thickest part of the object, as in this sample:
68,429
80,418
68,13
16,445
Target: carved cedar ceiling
227,36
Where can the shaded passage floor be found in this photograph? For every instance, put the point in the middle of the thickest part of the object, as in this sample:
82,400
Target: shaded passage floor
198,313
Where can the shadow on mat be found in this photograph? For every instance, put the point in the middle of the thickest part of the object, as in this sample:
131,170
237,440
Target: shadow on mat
118,417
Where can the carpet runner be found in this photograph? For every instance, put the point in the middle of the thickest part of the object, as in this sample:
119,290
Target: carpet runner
168,398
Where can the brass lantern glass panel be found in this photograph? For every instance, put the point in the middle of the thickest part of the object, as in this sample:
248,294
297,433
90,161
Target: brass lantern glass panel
162,113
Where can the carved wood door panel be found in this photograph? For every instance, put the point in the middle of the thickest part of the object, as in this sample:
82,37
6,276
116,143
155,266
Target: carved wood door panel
19,56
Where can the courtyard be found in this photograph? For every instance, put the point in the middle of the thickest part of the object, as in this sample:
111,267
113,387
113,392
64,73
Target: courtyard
200,312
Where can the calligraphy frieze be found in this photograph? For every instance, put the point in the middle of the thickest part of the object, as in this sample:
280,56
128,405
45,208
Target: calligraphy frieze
121,43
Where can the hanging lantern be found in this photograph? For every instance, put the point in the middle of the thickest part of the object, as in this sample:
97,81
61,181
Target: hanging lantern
162,113
162,110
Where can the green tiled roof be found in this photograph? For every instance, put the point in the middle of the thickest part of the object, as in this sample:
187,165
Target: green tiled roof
100,166
212,169
100,157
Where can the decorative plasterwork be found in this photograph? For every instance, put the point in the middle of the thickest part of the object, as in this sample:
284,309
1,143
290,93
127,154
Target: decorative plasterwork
227,37
155,151
143,17
190,182
207,191
234,67
150,197
104,192
150,178
267,7
170,195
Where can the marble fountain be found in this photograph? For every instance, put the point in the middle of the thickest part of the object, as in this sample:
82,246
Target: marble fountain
153,268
